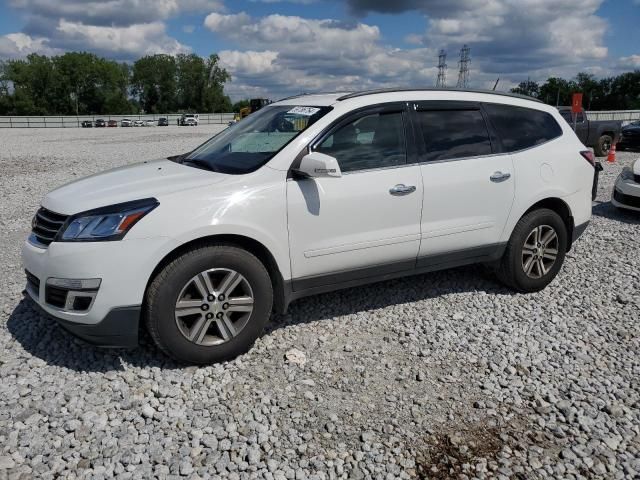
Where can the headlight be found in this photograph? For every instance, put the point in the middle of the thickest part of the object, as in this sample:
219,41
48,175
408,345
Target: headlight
107,223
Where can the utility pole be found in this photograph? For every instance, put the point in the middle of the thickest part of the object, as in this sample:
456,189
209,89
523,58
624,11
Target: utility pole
463,74
442,70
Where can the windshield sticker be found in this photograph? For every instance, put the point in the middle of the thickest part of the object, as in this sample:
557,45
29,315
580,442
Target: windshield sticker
307,111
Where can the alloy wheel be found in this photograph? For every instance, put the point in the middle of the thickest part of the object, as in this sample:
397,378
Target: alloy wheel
214,306
540,251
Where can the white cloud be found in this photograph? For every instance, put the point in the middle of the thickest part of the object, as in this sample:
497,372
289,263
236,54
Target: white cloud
630,62
124,42
114,12
14,45
508,37
120,29
296,35
290,54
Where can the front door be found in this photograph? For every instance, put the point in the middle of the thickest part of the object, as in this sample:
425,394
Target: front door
366,222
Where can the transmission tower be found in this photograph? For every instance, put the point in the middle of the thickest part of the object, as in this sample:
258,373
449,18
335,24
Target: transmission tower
465,60
442,70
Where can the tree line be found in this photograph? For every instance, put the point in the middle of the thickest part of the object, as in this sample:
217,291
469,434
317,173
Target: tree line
621,92
81,83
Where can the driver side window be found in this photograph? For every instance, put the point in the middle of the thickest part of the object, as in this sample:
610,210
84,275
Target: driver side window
371,141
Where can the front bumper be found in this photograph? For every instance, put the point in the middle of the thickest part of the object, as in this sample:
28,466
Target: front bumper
123,267
626,191
119,329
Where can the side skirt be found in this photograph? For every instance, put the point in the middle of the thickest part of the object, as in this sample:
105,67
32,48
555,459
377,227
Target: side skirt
307,286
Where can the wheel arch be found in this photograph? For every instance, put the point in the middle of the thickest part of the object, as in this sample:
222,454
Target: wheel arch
561,208
247,243
609,133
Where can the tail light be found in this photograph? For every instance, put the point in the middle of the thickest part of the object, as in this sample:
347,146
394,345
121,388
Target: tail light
589,157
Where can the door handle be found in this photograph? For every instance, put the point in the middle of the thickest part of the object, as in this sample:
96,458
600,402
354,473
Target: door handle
500,177
402,189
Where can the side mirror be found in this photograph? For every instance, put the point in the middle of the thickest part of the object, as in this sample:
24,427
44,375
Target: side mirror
317,165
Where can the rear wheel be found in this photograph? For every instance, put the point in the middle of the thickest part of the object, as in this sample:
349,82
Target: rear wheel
535,252
603,146
209,304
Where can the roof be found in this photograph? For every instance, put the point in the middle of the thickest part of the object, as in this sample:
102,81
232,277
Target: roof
393,90
327,99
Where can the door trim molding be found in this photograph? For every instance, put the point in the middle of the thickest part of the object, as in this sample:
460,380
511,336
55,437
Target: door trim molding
454,230
361,245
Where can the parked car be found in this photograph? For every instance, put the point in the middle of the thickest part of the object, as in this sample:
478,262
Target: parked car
626,191
112,123
163,122
310,194
125,122
630,137
101,123
150,123
138,123
87,124
598,134
189,120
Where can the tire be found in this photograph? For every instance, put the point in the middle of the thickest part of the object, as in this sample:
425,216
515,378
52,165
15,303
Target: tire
603,146
511,270
217,338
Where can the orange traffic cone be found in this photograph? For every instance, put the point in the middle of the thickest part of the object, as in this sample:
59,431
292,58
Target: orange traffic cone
611,158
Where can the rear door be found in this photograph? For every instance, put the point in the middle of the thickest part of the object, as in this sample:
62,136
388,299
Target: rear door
468,187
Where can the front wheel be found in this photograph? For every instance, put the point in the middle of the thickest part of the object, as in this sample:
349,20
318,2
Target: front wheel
535,252
209,305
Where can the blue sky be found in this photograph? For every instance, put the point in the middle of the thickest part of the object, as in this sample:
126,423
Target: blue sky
278,47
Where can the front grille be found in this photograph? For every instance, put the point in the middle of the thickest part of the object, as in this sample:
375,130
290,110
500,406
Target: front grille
56,296
33,283
46,225
629,200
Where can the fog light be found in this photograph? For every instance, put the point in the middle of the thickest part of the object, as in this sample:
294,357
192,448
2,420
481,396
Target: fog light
71,294
75,283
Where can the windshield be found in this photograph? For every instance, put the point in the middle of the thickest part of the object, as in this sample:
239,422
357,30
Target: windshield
246,146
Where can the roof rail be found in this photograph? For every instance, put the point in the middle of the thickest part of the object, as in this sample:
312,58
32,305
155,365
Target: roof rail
407,89
293,96
305,94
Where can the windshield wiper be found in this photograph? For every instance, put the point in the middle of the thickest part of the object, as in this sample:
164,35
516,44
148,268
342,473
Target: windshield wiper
203,164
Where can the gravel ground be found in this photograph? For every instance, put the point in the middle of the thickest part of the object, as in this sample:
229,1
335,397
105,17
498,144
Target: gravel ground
446,375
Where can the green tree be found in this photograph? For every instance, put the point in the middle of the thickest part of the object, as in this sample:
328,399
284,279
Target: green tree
529,88
192,80
557,91
201,84
239,105
153,81
214,98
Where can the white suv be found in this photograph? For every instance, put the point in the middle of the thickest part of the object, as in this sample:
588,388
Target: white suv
309,194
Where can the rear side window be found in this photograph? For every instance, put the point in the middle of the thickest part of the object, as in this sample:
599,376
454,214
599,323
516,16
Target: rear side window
450,134
521,128
370,141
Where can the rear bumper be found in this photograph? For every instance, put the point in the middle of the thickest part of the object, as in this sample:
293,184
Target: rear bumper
119,329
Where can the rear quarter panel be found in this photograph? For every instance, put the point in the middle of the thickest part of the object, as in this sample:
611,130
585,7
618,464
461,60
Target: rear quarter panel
552,170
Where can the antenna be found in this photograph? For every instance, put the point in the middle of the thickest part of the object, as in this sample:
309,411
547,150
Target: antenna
465,60
496,85
442,70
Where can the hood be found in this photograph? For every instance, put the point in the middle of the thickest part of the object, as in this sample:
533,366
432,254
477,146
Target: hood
631,129
132,182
